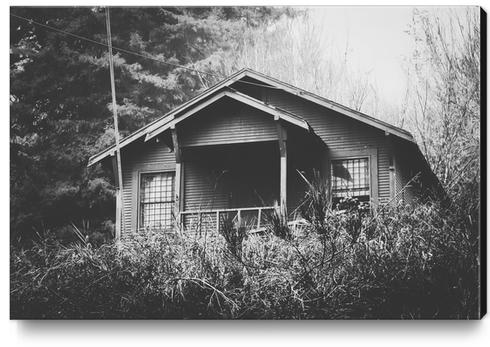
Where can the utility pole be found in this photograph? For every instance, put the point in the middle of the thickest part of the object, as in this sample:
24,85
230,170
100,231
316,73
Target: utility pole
118,174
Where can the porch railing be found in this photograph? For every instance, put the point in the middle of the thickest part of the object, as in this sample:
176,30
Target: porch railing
198,220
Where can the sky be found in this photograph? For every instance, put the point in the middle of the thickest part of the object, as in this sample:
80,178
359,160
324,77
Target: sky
377,42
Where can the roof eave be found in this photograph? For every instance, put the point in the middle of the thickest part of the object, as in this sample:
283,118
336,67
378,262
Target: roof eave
158,122
293,119
331,105
171,116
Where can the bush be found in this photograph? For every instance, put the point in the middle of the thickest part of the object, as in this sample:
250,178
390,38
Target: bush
397,262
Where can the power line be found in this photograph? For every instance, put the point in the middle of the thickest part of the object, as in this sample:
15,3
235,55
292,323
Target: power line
113,47
134,52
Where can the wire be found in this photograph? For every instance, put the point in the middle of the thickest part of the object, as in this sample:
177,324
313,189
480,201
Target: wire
134,53
113,47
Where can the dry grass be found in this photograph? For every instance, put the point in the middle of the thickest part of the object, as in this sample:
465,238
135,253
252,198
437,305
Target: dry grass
401,262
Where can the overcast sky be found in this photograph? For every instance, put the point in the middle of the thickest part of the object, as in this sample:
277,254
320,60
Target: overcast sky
377,42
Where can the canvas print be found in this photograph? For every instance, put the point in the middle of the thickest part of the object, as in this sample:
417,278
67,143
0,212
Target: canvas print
246,162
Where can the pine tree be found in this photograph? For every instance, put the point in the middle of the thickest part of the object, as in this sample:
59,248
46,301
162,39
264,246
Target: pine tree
60,95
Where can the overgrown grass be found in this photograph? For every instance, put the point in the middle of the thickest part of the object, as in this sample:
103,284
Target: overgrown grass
398,262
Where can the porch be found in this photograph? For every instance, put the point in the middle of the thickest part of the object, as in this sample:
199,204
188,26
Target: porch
253,218
234,182
244,183
236,162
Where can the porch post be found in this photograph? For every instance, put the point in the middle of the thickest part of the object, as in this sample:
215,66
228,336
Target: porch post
178,183
392,166
325,170
284,182
179,171
282,138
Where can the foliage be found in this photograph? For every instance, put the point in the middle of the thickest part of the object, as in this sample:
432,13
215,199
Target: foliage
411,262
60,96
313,62
443,107
277,223
419,261
234,234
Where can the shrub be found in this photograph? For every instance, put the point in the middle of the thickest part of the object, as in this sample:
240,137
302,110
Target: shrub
397,262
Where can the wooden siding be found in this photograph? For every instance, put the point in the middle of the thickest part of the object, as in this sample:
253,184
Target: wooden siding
406,169
231,155
403,177
227,122
203,183
304,155
399,194
413,174
231,176
140,158
339,133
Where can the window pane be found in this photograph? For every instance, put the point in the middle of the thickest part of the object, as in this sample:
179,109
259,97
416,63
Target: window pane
350,177
156,200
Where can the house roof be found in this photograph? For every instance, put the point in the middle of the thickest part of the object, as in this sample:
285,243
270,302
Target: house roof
399,132
222,89
232,94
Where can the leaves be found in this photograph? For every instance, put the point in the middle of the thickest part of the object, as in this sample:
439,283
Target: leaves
417,262
60,91
445,93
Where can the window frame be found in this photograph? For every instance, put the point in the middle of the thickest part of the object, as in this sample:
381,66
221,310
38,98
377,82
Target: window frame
368,179
372,156
141,173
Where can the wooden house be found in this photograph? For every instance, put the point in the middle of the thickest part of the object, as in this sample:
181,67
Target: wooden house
239,147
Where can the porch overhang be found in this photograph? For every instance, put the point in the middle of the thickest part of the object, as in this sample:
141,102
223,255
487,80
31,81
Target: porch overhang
260,79
171,121
277,113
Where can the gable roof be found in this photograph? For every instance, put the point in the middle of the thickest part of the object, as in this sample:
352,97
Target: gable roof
170,120
235,95
223,89
362,117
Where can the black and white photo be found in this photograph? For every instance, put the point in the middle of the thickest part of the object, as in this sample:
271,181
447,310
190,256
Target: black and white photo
246,162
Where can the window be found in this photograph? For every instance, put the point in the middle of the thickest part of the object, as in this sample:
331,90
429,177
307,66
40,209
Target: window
156,200
350,178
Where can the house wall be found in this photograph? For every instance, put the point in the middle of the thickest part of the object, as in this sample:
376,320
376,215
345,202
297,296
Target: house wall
227,122
231,176
399,179
340,133
230,125
407,167
304,160
137,159
403,176
227,147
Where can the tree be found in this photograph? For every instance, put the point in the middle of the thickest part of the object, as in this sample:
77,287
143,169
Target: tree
60,95
444,96
297,50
